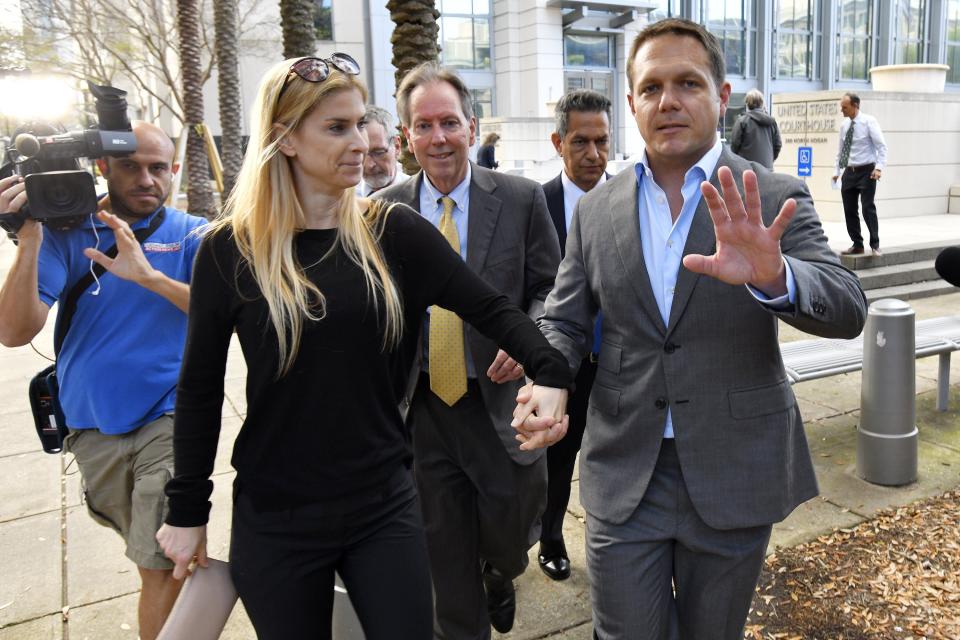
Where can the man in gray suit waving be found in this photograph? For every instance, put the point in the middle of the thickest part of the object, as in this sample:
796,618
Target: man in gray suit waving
694,444
481,495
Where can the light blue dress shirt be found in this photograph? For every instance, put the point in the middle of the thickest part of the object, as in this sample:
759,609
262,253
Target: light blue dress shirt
663,240
431,208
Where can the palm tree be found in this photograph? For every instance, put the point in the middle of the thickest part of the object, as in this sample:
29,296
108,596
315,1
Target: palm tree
199,194
226,26
414,41
299,30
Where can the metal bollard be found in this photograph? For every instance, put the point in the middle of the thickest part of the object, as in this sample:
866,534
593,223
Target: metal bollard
887,434
346,625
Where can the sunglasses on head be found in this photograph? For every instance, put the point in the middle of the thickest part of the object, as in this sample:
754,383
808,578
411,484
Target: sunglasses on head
318,69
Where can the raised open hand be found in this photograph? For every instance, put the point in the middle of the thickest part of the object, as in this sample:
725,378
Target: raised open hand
747,251
130,263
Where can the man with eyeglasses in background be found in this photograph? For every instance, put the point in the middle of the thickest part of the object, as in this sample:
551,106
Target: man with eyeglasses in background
380,168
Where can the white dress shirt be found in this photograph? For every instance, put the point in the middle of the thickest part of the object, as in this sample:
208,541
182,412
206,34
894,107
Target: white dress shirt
868,146
363,189
572,194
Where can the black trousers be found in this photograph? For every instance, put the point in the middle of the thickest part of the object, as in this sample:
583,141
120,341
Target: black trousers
561,459
283,562
478,505
857,184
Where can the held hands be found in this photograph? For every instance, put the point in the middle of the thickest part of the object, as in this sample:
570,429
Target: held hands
130,263
540,418
504,368
183,545
747,251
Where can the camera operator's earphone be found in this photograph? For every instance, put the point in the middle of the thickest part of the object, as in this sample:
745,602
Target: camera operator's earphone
93,271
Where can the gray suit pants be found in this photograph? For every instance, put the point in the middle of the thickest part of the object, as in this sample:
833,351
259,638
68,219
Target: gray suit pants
478,505
666,574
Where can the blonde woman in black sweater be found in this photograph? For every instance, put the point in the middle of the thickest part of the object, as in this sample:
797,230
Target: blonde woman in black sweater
326,293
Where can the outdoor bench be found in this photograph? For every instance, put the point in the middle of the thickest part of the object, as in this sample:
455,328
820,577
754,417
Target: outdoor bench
823,357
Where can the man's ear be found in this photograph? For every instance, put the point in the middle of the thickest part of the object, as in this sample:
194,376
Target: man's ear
473,131
633,110
557,143
396,142
725,90
280,134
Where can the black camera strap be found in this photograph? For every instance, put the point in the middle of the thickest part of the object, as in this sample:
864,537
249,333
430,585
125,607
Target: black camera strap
69,305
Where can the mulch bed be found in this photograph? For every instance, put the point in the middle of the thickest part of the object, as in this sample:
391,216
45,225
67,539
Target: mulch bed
896,576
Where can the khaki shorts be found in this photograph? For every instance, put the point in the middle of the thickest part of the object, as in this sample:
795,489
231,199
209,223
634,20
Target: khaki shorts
123,478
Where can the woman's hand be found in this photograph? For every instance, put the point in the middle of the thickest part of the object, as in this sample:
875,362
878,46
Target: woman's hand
183,545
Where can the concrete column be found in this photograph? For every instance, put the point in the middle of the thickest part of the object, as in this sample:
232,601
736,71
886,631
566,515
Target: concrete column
937,21
885,29
828,44
764,49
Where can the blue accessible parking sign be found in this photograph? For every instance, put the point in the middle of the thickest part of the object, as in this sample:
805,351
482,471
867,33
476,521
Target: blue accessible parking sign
804,162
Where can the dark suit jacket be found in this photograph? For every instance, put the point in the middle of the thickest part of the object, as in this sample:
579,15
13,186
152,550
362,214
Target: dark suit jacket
716,364
512,245
553,190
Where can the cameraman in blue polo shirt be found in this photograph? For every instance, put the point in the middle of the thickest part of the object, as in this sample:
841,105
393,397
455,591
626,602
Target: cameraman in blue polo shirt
120,359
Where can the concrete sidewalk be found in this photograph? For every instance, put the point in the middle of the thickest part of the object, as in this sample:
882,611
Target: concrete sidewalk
62,576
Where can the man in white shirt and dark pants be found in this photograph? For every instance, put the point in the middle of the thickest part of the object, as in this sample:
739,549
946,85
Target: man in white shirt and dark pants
861,156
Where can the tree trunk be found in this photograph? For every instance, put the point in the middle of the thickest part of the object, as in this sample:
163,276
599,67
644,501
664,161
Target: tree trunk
414,41
228,86
299,31
199,194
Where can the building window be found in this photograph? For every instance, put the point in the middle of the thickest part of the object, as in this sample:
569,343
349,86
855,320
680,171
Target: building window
323,20
953,41
465,33
910,33
855,38
666,9
482,102
796,36
587,51
735,108
734,22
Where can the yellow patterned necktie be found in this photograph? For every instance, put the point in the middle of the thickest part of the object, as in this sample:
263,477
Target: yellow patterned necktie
448,371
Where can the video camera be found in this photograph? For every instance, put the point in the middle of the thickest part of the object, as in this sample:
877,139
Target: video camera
59,193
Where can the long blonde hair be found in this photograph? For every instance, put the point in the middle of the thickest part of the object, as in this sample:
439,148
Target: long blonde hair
264,215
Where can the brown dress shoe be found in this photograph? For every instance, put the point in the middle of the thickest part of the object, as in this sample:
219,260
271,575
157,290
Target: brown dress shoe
852,251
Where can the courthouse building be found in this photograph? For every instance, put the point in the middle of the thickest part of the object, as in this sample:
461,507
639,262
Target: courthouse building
519,56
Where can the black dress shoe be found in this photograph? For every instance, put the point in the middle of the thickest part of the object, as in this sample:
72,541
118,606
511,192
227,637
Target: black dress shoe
501,599
556,567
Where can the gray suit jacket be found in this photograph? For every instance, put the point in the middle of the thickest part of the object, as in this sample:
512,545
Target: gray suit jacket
716,364
511,244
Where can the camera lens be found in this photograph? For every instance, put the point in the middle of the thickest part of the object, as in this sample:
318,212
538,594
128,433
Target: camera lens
59,196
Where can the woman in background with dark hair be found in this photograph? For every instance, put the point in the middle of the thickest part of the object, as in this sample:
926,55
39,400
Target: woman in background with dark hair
326,293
